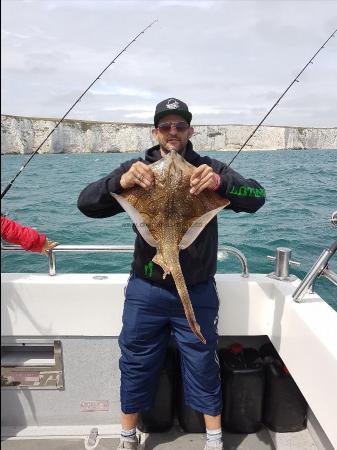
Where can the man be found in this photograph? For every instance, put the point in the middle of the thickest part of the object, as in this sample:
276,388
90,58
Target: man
152,309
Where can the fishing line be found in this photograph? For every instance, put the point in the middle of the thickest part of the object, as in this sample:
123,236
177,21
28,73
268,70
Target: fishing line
282,95
74,104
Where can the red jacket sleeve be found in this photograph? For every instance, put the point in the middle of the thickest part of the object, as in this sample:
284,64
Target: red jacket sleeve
15,233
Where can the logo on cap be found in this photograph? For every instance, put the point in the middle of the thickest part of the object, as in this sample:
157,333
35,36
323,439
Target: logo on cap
172,104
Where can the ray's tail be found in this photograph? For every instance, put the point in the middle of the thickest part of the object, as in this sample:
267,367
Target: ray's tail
185,298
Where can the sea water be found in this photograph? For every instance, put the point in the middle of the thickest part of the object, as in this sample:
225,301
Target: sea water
301,190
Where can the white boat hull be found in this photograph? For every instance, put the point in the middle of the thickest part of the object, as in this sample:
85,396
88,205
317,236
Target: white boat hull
84,312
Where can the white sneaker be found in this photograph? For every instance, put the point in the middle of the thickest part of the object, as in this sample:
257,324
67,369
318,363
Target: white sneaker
218,447
128,445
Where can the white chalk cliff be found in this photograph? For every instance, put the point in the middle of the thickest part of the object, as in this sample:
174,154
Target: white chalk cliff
22,135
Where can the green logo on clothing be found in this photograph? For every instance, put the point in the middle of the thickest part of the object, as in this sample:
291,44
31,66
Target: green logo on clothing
246,191
148,269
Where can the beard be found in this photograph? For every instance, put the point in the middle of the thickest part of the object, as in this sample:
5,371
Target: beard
177,145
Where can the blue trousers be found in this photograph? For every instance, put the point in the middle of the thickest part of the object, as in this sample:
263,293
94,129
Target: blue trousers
151,314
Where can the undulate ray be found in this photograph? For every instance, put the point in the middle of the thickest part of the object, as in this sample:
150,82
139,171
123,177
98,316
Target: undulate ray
170,218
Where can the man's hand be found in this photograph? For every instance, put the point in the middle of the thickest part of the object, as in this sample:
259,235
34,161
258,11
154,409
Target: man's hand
139,173
203,178
48,245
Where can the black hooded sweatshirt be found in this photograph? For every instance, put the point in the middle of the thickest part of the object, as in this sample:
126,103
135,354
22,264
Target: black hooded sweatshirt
198,261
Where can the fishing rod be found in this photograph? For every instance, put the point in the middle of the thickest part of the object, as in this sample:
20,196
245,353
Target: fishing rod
74,104
282,95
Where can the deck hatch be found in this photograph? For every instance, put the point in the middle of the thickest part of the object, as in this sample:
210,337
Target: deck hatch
29,364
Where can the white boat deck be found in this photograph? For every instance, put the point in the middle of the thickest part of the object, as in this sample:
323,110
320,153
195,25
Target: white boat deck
36,306
175,440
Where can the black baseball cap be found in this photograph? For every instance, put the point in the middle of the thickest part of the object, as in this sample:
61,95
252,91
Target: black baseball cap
172,106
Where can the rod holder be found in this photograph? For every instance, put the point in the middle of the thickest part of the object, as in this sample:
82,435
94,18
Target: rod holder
319,268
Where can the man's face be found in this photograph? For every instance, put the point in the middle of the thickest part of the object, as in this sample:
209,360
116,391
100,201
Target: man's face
172,138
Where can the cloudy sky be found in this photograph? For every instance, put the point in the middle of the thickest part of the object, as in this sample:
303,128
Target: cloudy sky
229,60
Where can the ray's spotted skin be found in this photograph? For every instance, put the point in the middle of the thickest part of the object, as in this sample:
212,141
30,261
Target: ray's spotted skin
170,218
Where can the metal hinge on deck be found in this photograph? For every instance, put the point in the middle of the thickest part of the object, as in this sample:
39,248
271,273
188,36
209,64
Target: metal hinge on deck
92,440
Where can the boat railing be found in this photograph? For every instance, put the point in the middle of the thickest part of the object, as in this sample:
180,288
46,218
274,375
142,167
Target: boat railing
118,249
320,268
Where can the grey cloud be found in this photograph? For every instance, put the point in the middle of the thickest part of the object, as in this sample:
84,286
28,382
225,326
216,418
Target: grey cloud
232,58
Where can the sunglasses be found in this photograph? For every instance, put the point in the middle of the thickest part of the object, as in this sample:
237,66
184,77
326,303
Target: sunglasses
166,126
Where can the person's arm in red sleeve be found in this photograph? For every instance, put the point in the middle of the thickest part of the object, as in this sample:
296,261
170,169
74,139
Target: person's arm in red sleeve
26,237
